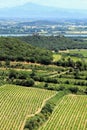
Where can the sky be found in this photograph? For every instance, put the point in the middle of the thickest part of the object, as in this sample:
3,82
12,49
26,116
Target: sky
71,4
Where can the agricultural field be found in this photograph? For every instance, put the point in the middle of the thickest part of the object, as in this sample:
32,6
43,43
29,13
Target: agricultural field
56,77
17,102
30,84
79,51
75,54
69,114
56,57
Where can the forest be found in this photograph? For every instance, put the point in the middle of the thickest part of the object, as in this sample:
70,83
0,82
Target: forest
16,50
55,43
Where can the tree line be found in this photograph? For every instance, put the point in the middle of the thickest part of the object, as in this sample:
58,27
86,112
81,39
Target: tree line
55,42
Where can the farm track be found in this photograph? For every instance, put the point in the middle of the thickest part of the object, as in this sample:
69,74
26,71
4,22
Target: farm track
69,114
17,102
52,76
16,69
37,112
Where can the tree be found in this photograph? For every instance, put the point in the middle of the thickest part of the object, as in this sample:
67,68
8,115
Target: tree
28,82
70,62
33,74
7,63
12,74
73,89
46,85
76,73
86,91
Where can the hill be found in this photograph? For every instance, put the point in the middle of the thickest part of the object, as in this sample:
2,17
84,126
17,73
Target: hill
15,49
55,42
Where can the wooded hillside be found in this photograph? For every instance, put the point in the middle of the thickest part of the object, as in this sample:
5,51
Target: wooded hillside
15,49
55,42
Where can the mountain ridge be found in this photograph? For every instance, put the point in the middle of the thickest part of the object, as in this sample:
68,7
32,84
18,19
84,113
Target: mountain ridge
37,11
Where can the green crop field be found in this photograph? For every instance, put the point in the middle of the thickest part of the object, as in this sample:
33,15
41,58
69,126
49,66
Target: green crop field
67,73
70,114
70,53
79,51
17,102
56,57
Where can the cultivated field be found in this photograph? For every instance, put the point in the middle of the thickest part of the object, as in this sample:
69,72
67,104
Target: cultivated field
75,54
17,102
79,51
70,114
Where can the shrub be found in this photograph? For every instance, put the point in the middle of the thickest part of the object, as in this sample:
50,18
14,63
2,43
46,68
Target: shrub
46,85
74,89
28,82
67,82
61,88
22,75
86,91
12,74
37,120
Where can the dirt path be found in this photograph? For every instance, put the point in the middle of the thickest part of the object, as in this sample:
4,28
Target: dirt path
37,112
52,76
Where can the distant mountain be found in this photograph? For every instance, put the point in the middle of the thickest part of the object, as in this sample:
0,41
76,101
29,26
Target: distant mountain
35,11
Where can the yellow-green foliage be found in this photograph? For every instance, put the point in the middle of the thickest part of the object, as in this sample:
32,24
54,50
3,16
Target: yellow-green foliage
70,114
73,54
17,102
56,57
79,51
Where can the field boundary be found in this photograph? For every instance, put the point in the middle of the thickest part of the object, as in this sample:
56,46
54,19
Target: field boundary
37,112
74,116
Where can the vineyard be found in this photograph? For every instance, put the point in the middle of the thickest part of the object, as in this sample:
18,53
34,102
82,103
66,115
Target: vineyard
27,92
17,102
69,114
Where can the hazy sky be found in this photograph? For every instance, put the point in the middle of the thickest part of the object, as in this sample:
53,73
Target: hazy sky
73,4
